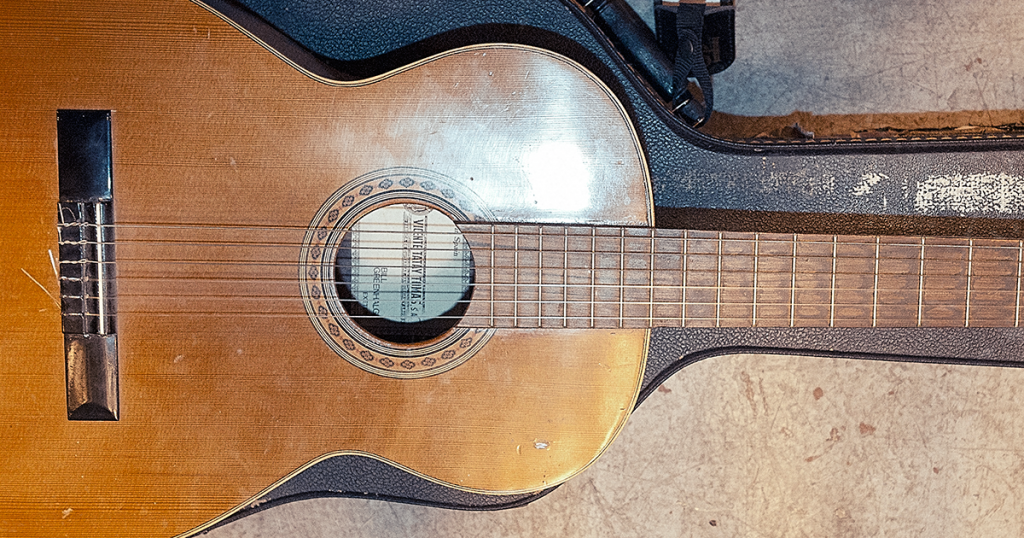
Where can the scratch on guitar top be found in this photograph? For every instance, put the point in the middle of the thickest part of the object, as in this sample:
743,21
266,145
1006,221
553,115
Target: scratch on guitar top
46,291
66,512
541,445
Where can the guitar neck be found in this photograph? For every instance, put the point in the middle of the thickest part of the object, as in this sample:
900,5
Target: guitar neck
623,277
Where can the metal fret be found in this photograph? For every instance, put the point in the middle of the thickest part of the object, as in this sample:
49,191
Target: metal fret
492,276
682,308
622,274
515,277
920,286
1020,266
565,276
792,288
832,292
874,294
650,282
540,273
718,285
970,270
593,272
757,247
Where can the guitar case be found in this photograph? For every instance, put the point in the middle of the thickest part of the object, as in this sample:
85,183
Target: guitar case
831,186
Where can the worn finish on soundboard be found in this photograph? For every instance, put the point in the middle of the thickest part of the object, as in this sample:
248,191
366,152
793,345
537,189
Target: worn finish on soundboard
225,386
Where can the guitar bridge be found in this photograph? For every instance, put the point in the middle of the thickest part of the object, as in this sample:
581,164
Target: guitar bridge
87,269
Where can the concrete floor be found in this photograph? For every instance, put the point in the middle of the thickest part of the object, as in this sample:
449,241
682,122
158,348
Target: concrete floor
778,446
865,56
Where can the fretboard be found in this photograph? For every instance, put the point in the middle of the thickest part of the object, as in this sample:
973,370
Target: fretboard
621,277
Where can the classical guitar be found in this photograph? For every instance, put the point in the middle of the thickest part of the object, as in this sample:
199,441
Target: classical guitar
219,269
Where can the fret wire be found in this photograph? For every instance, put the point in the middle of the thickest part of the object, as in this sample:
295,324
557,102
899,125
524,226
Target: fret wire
492,275
757,250
874,294
622,273
832,286
1020,266
920,287
682,306
540,269
970,267
718,284
593,272
565,275
650,292
792,287
515,277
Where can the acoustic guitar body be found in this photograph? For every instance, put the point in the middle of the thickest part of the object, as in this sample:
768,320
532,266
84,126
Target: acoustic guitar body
235,175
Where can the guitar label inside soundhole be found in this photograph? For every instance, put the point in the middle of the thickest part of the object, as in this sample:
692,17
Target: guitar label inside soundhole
386,277
404,273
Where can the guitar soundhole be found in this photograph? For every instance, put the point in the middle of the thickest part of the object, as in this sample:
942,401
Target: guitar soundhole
404,273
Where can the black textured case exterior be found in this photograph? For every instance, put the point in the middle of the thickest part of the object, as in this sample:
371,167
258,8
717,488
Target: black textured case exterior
699,182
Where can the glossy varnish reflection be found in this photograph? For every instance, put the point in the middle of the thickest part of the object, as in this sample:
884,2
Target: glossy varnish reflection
225,386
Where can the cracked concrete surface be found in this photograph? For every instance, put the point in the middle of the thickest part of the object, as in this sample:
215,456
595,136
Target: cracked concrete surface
780,446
